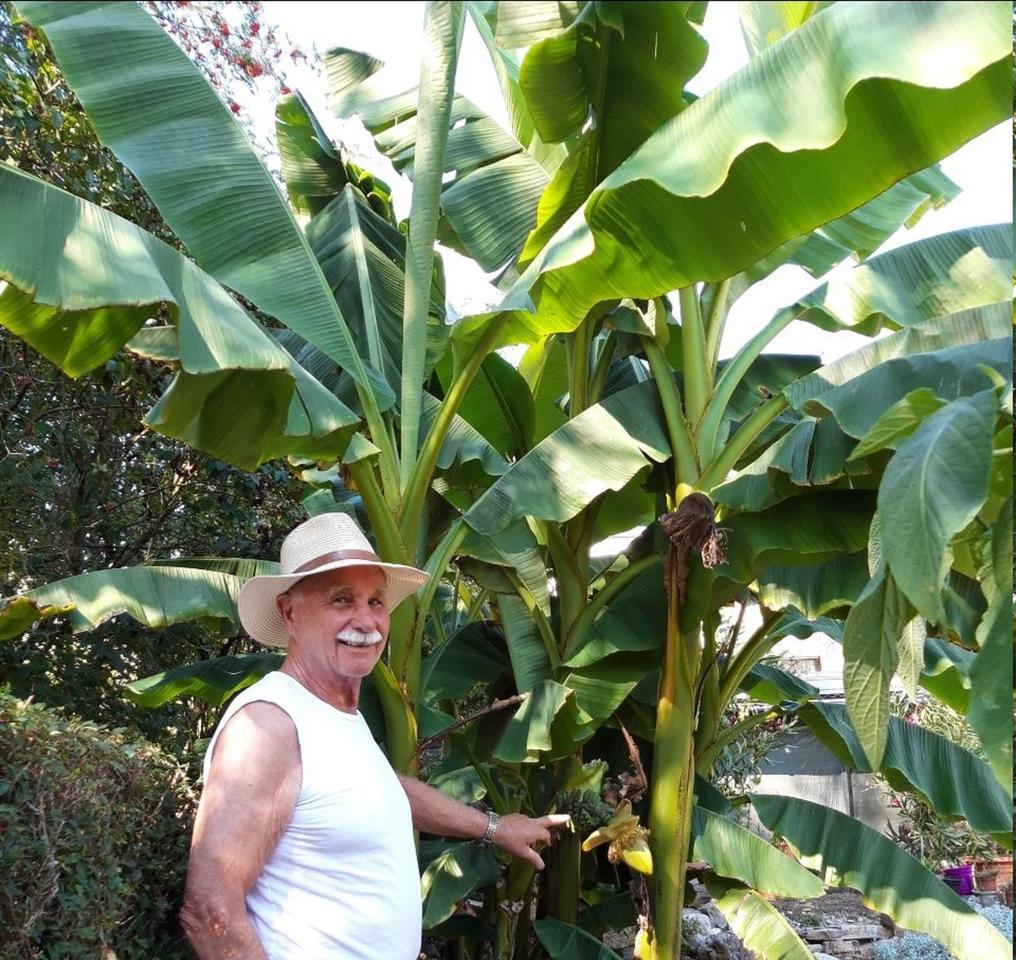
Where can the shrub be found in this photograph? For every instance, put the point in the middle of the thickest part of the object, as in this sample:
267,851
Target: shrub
93,840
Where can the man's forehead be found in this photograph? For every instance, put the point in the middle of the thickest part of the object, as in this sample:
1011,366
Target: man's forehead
359,577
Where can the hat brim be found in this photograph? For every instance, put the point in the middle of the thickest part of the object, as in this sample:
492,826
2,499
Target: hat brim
260,615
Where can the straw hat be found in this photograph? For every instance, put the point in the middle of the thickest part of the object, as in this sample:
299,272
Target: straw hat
330,541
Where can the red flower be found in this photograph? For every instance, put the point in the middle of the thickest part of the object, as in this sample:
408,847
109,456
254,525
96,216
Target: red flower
234,106
255,70
216,42
224,28
285,91
254,27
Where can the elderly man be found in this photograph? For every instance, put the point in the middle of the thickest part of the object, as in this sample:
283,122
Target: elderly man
303,845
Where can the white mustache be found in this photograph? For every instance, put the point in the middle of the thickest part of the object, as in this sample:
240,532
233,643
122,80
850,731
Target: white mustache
358,638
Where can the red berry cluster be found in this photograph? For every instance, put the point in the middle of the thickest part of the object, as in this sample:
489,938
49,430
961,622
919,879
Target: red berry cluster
230,43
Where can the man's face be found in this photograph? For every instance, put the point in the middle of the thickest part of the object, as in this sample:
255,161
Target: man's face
330,615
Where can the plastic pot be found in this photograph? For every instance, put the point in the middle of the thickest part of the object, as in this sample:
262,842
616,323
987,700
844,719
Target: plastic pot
960,879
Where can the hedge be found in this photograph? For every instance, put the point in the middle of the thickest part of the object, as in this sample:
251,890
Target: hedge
94,830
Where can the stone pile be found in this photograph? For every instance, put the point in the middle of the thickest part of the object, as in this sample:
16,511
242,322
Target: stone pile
707,935
853,940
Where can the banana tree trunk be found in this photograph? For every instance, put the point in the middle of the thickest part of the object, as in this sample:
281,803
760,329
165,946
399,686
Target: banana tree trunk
562,886
673,774
400,719
399,706
561,880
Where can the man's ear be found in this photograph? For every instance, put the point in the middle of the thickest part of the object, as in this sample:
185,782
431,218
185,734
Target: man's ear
284,603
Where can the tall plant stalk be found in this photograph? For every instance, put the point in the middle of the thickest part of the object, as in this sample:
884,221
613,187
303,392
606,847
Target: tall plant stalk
673,772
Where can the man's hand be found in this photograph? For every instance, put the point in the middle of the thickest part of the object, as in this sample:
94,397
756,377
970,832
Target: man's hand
522,836
517,834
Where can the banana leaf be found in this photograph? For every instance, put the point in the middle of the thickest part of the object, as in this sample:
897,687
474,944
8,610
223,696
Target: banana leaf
488,202
949,778
601,449
81,282
761,927
932,488
211,681
737,853
562,941
150,104
942,274
153,596
849,854
884,112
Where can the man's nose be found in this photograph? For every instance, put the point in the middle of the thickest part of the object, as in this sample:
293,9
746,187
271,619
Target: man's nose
363,617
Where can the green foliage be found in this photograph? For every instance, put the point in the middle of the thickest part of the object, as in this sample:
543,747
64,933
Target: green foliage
760,926
920,831
592,440
93,840
44,131
107,494
846,853
562,941
738,767
743,855
451,874
82,486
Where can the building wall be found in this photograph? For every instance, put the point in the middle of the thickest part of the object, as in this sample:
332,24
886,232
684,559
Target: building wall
800,766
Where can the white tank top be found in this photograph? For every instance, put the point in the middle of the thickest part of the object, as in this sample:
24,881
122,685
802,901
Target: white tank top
343,882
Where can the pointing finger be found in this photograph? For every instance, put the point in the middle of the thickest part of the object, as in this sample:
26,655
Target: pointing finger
554,820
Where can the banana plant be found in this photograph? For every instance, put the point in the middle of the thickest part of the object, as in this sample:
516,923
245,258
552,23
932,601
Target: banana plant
615,189
362,308
572,88
643,215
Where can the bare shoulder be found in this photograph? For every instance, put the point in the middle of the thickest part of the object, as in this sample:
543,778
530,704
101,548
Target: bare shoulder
259,741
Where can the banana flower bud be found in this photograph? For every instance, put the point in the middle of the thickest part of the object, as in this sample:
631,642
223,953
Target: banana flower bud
627,839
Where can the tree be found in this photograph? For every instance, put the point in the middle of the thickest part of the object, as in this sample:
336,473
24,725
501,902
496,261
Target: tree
85,486
597,207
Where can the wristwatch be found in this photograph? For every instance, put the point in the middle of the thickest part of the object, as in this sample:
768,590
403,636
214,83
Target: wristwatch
493,819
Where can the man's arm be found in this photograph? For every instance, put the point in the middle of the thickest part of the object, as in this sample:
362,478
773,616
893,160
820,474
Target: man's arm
434,812
252,787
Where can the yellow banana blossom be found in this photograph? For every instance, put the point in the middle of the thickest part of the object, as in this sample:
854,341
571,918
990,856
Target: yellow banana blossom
627,839
645,946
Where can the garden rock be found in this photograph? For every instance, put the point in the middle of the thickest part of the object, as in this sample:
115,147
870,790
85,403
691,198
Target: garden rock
706,939
715,915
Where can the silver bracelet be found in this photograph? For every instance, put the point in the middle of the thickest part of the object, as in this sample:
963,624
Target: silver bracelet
493,819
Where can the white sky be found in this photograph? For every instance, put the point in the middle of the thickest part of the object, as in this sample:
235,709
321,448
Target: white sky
393,32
